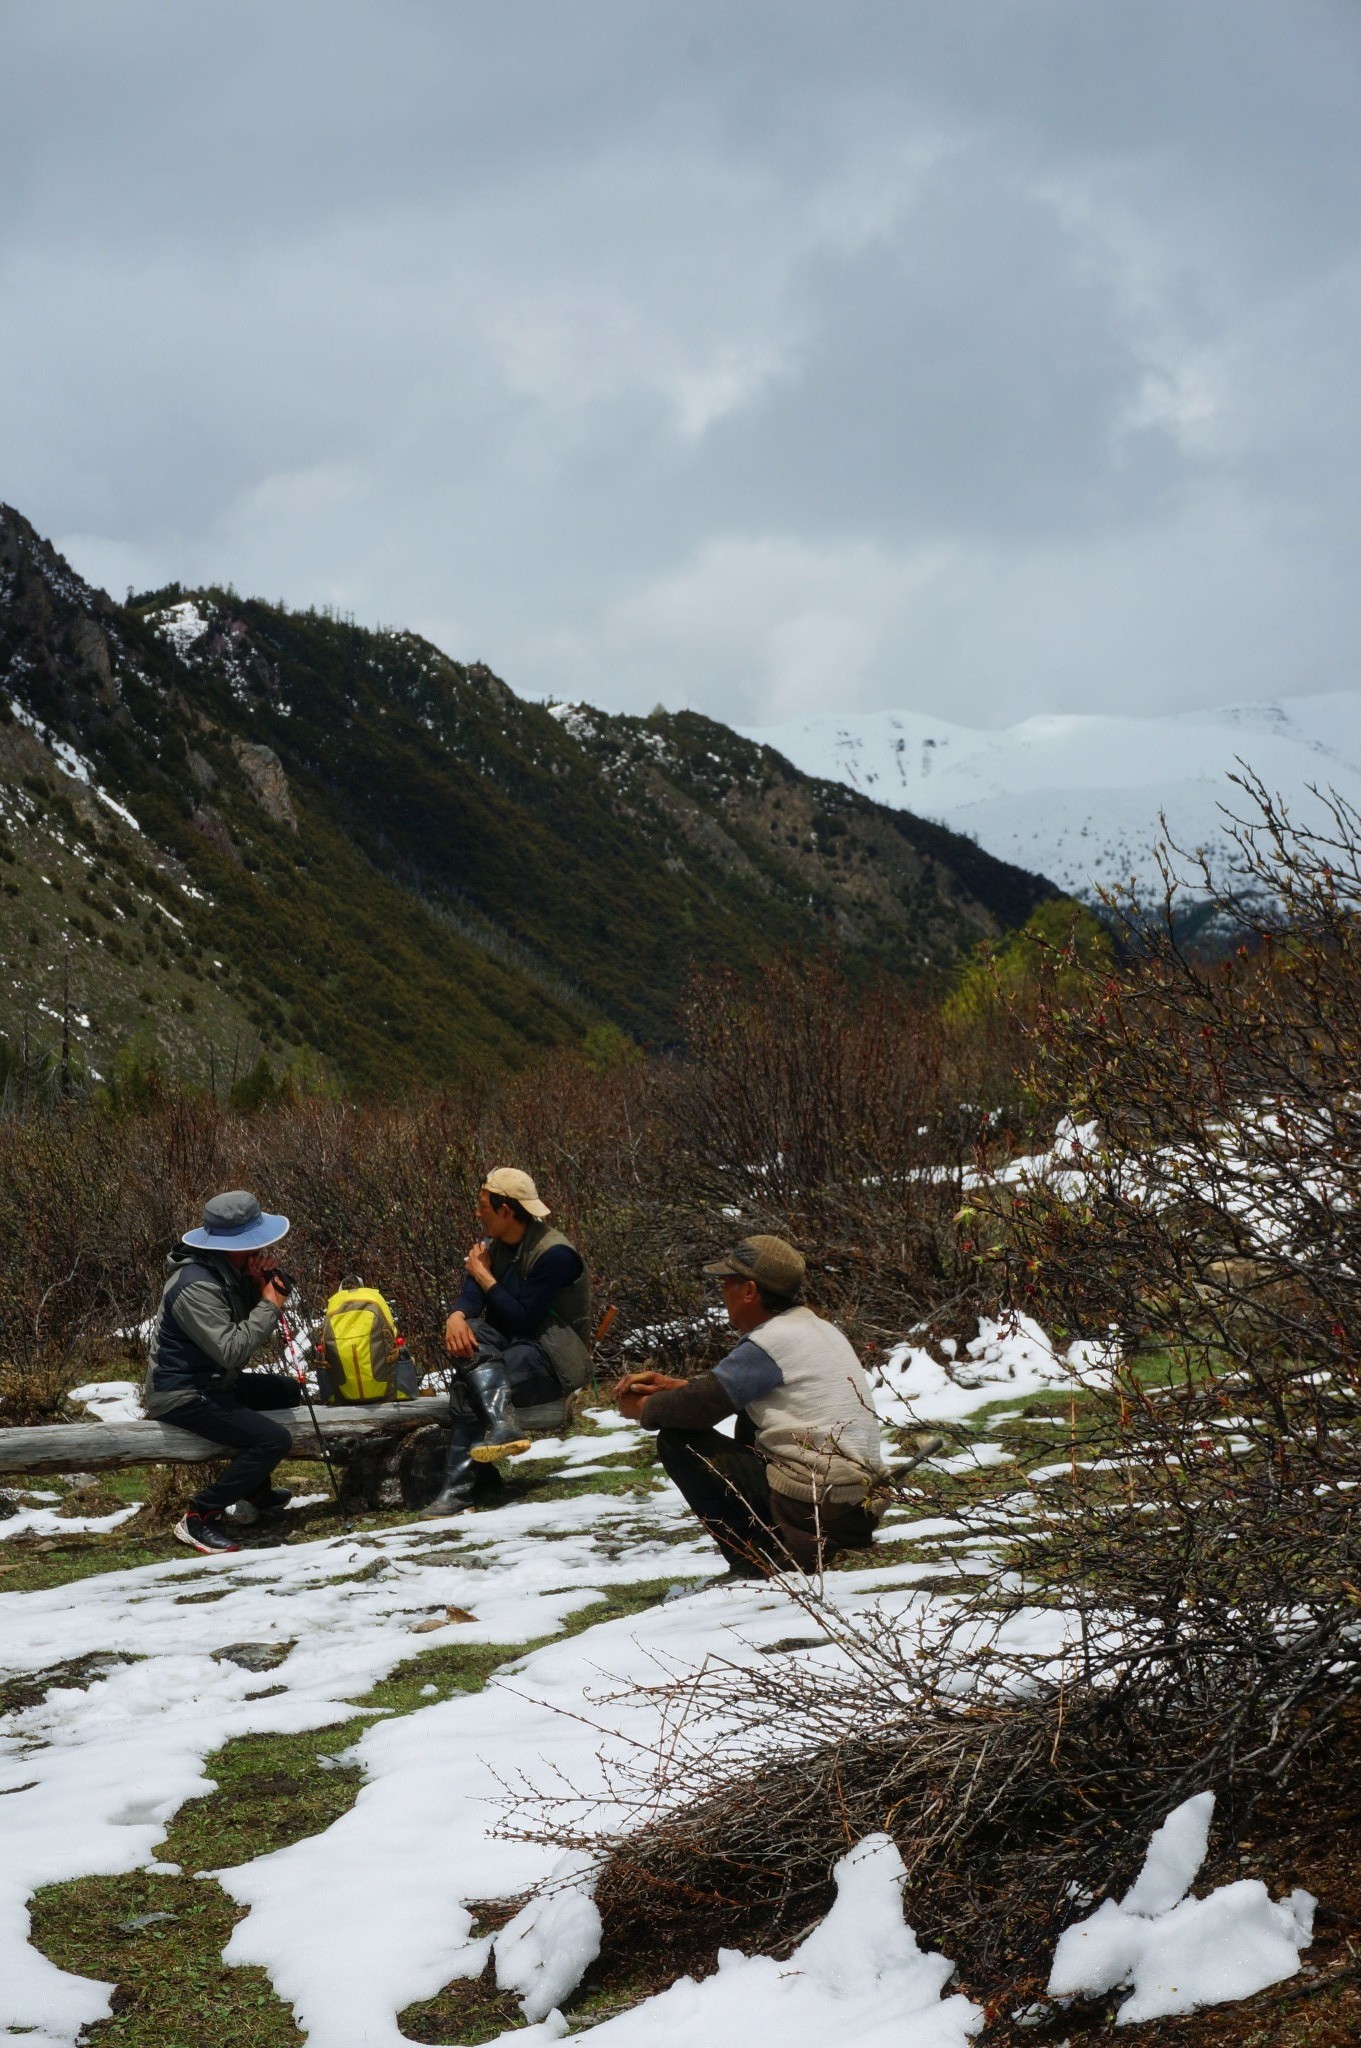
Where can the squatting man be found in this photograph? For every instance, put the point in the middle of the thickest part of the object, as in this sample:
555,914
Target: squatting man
797,1482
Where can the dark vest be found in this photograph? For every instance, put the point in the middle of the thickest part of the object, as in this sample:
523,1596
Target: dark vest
178,1364
572,1304
565,1336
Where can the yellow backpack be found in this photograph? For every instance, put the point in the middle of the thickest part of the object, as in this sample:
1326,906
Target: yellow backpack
361,1356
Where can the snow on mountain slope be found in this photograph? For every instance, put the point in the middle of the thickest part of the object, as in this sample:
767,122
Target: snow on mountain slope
1078,798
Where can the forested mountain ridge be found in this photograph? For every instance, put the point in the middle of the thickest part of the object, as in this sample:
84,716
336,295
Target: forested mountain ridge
229,825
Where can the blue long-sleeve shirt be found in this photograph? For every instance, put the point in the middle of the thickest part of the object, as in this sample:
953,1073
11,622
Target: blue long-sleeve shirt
520,1307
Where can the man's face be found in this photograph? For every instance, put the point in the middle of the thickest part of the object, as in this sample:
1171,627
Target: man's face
501,1225
742,1302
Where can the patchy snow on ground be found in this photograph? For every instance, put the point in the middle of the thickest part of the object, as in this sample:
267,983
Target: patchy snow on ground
1178,1953
70,762
973,1459
421,1837
182,624
572,1451
1247,1171
859,1978
1064,1167
151,1670
1008,1360
44,1521
91,1775
89,1778
109,1400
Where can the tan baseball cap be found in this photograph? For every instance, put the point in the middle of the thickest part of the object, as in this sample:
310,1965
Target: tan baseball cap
509,1181
770,1261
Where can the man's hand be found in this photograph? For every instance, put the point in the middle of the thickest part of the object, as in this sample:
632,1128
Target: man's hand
262,1273
635,1388
476,1265
459,1340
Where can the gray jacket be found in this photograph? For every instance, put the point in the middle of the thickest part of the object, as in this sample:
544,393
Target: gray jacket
211,1322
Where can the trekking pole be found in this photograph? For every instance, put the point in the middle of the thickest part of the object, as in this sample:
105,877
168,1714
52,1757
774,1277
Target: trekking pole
300,1374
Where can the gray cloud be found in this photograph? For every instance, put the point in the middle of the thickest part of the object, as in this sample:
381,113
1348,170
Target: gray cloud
988,359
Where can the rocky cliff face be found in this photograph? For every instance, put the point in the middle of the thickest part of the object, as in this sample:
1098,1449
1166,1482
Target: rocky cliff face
228,823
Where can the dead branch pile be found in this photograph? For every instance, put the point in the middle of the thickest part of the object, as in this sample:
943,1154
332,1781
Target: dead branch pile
843,1119
1019,1785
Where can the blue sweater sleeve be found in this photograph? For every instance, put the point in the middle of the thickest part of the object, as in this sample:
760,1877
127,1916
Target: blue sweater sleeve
470,1299
525,1314
748,1372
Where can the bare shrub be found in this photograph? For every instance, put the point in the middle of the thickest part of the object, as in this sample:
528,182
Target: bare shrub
91,1204
1214,1223
833,1116
63,1280
1019,1745
842,1118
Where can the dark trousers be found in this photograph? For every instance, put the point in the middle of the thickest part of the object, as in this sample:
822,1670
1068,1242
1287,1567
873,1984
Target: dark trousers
231,1416
756,1528
528,1367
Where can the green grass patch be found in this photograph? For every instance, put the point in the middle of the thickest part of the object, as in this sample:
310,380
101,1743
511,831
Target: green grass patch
32,1568
469,2011
173,1989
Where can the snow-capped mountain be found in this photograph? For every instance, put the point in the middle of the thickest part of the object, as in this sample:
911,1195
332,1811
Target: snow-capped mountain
1078,798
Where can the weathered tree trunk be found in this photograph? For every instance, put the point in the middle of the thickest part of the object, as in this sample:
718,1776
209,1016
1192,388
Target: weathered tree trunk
104,1446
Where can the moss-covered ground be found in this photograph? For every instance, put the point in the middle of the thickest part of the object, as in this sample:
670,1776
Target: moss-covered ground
173,1989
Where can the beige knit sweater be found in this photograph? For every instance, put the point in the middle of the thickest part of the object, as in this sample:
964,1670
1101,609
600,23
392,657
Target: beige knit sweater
818,1432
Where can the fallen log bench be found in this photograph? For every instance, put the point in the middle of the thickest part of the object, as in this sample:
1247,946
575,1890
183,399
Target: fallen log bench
108,1446
373,1444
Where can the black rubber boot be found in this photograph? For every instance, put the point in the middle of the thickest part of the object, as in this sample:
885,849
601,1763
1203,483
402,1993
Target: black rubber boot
455,1496
504,1436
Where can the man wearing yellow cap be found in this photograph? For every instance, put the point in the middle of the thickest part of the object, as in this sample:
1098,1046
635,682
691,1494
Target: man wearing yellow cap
519,1330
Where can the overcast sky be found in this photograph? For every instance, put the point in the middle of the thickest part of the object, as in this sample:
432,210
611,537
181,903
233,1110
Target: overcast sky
986,357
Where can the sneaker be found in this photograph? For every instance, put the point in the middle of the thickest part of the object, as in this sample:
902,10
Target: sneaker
204,1533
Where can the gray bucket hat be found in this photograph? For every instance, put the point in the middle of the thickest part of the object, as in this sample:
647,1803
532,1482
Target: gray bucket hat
235,1222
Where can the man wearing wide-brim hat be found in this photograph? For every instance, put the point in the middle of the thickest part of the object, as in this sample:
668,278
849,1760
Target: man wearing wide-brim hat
220,1306
797,1481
